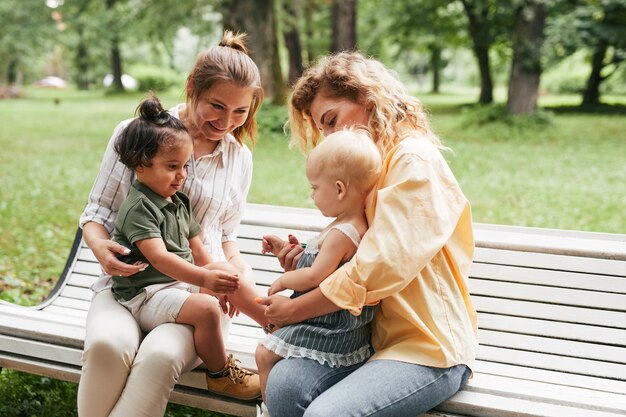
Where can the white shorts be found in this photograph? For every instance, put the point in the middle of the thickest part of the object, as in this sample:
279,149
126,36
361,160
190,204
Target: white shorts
158,304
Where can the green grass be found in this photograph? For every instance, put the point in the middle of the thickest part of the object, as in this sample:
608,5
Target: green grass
568,173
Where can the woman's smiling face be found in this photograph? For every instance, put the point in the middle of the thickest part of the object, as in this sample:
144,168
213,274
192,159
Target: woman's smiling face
221,109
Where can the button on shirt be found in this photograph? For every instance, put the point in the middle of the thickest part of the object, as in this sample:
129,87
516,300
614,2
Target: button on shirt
415,260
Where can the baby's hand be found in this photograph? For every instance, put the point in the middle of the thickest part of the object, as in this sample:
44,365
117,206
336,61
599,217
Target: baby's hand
272,244
276,287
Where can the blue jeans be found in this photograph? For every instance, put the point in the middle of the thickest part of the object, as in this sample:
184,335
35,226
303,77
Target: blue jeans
302,387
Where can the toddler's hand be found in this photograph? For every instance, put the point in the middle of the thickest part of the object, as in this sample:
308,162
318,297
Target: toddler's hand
273,244
221,282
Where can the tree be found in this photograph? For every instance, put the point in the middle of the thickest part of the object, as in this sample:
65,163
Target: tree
343,25
610,47
258,19
426,26
28,31
291,34
478,17
597,27
526,66
116,57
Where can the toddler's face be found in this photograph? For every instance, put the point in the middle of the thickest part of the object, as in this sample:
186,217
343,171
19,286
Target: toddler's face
168,171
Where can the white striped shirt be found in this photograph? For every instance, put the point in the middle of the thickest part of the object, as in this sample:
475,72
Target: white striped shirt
217,186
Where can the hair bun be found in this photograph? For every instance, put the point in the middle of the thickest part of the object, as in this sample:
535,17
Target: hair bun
152,110
235,41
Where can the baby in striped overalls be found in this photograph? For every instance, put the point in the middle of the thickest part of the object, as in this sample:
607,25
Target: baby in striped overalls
342,170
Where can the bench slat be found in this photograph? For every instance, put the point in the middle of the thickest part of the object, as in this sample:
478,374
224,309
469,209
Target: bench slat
554,346
564,296
525,275
552,362
547,261
485,304
570,331
550,377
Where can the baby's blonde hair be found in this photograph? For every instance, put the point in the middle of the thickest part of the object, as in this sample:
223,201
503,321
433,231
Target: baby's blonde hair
393,113
350,156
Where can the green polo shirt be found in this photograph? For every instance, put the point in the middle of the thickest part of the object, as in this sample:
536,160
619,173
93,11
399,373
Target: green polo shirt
145,215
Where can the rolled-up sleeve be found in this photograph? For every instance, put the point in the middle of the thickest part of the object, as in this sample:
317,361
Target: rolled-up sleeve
110,187
417,209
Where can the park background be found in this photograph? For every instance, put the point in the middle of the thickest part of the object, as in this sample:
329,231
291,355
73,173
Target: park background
529,95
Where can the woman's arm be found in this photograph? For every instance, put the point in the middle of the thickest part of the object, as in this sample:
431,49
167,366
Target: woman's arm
105,251
283,311
201,255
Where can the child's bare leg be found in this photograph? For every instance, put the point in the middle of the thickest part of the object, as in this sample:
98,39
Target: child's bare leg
201,312
265,360
244,297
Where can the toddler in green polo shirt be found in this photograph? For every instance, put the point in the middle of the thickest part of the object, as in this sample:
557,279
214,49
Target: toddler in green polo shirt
155,221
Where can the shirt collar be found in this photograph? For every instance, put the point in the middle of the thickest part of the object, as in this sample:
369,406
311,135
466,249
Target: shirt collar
156,199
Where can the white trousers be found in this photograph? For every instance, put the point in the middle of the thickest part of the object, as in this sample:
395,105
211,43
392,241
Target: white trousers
126,373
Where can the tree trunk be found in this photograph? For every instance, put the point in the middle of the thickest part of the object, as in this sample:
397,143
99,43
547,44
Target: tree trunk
435,64
116,56
309,29
12,71
478,23
526,66
82,60
343,25
591,96
257,19
292,40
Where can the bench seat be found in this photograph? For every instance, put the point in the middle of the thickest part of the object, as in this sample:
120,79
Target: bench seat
551,307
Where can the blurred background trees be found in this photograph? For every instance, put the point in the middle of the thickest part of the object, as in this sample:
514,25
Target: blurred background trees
434,45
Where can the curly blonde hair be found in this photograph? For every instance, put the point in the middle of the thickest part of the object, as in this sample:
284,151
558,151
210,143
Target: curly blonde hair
393,113
228,61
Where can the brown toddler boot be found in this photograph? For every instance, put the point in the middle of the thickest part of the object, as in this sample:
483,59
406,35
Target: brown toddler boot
234,381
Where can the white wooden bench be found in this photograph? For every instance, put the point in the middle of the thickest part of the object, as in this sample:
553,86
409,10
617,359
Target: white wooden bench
552,318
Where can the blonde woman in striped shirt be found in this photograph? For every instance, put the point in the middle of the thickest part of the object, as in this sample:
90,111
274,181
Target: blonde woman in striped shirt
124,371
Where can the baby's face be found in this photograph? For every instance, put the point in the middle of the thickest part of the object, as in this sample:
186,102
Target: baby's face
323,189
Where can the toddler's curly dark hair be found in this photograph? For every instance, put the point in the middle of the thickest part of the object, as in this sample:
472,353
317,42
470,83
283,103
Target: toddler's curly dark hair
153,129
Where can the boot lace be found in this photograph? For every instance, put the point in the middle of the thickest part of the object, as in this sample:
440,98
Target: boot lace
235,372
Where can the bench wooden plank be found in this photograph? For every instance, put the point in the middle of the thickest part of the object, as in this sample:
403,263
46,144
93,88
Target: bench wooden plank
552,295
525,275
559,330
568,314
551,377
549,261
552,362
553,346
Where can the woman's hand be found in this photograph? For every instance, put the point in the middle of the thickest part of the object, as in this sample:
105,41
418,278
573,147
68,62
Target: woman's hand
278,310
106,251
290,254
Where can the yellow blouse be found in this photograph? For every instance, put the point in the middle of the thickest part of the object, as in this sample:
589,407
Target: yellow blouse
415,260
